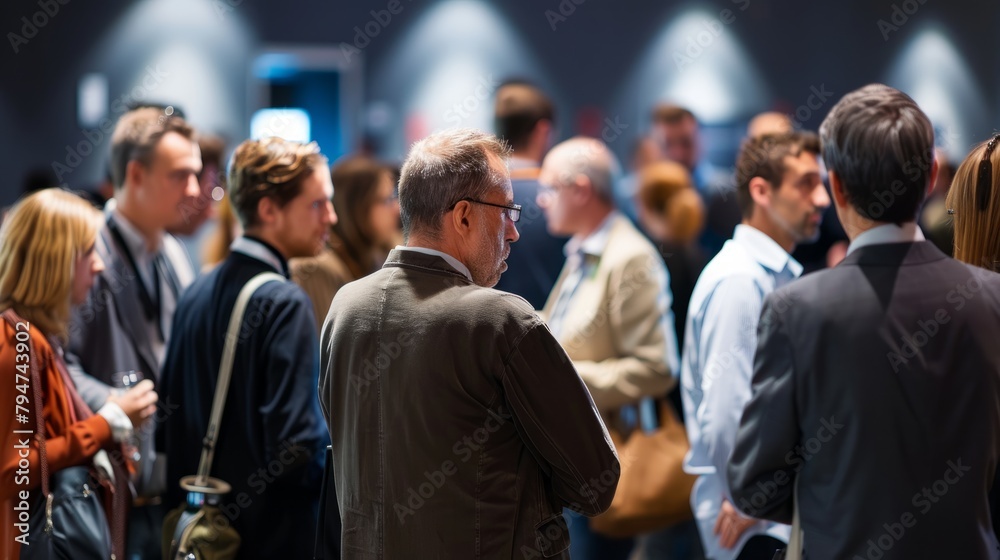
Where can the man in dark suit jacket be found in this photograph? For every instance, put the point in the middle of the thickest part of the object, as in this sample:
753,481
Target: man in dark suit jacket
524,117
876,385
125,323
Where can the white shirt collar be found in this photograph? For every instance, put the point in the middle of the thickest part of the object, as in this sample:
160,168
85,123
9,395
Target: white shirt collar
455,263
255,249
908,232
134,238
595,243
765,250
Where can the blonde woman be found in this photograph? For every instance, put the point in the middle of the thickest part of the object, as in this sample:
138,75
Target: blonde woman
974,202
47,265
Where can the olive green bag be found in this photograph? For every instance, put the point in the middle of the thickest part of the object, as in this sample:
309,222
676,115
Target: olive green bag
199,530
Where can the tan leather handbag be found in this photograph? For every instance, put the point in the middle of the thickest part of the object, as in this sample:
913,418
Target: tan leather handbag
653,492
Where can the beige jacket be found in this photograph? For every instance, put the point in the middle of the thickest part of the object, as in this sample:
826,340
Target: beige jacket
619,328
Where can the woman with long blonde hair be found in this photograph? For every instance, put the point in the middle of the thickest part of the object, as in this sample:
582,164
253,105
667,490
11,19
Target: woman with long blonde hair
47,266
974,202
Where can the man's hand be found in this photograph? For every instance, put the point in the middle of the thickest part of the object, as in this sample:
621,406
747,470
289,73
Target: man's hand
731,524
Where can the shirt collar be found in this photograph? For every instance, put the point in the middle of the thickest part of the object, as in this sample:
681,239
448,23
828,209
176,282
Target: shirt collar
765,250
262,251
908,232
455,263
134,238
595,243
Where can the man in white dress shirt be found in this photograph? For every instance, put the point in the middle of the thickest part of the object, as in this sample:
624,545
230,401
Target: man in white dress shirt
782,198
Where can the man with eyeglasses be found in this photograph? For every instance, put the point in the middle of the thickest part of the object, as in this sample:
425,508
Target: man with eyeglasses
610,307
460,428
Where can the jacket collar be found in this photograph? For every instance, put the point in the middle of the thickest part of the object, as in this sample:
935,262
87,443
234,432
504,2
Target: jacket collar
409,257
894,254
262,251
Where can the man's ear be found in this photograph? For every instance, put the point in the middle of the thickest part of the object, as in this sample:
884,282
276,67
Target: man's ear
135,172
759,189
542,134
267,211
461,218
582,189
932,179
837,188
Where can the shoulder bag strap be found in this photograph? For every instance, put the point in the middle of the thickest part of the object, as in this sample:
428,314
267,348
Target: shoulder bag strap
226,369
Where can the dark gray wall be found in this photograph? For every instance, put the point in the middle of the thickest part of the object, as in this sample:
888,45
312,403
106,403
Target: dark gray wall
589,61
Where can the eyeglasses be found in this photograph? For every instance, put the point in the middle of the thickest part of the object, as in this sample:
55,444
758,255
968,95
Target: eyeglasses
513,212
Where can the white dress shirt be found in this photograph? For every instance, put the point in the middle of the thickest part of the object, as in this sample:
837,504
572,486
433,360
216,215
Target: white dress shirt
717,368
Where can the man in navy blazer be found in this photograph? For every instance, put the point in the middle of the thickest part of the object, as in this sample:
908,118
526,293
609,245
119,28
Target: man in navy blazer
876,388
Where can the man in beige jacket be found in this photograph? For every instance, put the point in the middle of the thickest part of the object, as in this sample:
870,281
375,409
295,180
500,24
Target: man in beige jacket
610,307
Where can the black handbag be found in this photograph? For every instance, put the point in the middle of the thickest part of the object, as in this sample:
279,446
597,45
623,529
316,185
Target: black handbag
67,519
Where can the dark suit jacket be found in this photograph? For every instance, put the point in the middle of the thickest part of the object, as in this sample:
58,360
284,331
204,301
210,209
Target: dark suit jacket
537,258
109,334
272,436
877,385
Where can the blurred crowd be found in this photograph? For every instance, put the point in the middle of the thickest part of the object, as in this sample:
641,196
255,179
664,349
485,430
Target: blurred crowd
645,309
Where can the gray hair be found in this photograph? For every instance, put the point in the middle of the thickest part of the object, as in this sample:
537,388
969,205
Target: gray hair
444,168
881,146
588,157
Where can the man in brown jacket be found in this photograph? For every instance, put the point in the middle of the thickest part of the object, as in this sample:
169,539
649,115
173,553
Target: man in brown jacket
460,428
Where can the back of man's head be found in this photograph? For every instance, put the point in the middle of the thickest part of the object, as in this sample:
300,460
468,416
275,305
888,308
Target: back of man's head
136,135
880,145
764,157
519,108
445,168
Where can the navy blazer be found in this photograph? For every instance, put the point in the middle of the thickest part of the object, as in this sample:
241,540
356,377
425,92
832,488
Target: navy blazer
272,437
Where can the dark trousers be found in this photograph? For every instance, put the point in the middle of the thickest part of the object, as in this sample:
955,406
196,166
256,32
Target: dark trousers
760,547
584,544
